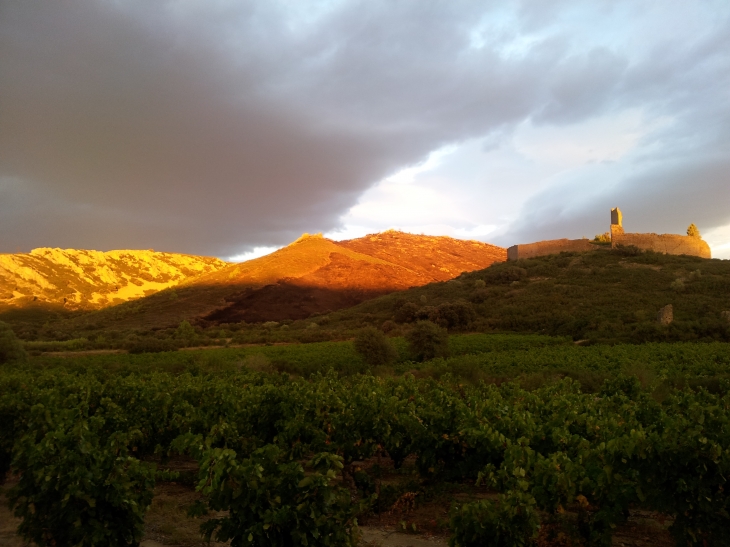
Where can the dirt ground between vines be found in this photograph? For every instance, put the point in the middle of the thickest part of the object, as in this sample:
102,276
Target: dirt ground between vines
417,518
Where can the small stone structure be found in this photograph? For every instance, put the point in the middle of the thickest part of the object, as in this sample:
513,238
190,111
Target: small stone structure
665,315
661,243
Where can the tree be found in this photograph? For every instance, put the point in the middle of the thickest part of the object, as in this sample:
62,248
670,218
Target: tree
374,347
11,349
185,332
427,340
693,231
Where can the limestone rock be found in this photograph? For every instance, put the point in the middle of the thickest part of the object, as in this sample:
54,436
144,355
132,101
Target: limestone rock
666,315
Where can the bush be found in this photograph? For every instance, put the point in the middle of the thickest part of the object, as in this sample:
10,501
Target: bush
11,349
374,347
456,315
479,296
388,326
185,332
406,313
427,340
78,486
510,521
271,502
693,231
504,275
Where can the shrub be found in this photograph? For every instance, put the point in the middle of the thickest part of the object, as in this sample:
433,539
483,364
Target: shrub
603,238
388,326
511,521
504,275
693,231
427,340
406,313
11,349
185,332
271,502
456,315
374,347
428,313
78,485
677,285
479,296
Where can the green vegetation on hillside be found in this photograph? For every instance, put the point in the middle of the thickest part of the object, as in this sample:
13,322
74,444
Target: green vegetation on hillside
600,296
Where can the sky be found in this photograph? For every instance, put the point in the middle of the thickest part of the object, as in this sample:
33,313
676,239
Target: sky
229,128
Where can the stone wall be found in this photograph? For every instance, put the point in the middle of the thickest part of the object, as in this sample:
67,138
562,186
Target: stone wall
555,246
664,243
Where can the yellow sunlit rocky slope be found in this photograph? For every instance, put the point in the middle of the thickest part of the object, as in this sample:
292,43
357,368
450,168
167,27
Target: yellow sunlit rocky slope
79,280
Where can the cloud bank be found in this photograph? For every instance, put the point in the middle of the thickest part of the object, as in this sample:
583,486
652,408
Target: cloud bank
217,127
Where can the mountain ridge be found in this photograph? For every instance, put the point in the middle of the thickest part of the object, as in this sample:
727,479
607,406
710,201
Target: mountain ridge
311,275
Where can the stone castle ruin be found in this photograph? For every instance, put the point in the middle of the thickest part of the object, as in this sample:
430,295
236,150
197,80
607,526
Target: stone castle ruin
672,244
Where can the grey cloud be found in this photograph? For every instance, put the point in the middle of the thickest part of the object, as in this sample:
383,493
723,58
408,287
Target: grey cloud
213,127
582,85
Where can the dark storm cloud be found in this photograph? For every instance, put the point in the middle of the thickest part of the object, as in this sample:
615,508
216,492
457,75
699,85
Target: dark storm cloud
211,127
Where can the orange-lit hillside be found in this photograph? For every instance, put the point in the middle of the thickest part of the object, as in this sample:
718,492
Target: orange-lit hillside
143,289
315,275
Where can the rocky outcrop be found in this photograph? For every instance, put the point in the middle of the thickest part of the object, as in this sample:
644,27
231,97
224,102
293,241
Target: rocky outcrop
92,279
554,246
666,315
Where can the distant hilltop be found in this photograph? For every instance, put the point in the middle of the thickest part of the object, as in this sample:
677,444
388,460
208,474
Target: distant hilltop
673,244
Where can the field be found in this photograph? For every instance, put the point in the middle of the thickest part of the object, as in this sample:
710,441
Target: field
524,438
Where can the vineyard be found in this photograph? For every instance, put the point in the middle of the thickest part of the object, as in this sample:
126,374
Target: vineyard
548,435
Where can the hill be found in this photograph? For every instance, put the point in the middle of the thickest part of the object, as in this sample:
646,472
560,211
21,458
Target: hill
601,295
72,280
317,275
312,275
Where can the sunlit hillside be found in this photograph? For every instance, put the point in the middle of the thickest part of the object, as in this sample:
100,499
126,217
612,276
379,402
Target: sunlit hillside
311,275
85,280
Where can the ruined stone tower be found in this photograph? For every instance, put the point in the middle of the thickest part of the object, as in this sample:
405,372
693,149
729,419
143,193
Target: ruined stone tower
617,217
617,220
